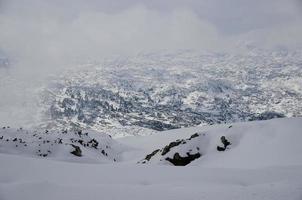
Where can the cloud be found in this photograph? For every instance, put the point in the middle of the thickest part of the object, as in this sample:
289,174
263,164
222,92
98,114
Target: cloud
93,34
47,35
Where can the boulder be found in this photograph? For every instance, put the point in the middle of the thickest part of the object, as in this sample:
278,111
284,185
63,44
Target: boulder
177,160
77,150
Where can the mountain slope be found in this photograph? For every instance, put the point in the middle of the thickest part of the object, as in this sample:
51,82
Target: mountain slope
254,144
263,162
75,146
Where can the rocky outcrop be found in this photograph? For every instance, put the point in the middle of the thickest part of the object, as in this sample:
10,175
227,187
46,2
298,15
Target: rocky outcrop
172,152
225,143
77,150
178,160
60,144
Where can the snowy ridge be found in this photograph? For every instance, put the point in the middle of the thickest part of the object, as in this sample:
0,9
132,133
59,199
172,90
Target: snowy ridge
76,146
253,144
263,162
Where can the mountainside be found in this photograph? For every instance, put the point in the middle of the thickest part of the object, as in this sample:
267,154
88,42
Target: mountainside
60,145
162,91
262,161
273,142
239,145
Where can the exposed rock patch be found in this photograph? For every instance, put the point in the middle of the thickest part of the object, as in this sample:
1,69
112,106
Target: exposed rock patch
178,160
225,143
77,150
174,152
60,144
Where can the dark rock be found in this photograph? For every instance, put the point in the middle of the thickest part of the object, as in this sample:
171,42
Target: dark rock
225,142
149,156
194,136
168,147
94,143
220,148
177,160
77,151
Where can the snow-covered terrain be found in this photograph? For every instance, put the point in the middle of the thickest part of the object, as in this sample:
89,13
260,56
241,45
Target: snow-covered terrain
64,145
152,100
262,161
158,91
167,90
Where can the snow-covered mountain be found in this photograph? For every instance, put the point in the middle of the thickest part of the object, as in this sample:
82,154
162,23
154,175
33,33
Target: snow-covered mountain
63,145
269,140
262,161
162,91
247,145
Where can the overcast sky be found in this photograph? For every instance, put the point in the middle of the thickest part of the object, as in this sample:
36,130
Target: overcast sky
51,32
118,24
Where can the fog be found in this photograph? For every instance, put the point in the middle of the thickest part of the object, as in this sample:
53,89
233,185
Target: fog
42,37
50,34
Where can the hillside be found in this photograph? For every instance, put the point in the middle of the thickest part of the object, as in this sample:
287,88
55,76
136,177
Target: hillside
263,161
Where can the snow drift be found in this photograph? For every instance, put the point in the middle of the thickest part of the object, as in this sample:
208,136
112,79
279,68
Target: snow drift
263,161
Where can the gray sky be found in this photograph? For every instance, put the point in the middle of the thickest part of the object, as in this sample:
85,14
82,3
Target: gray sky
239,14
52,32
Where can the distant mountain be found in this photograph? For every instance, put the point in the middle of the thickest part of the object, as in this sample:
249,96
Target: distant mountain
162,91
4,61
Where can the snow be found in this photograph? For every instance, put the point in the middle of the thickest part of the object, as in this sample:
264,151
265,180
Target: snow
263,162
58,145
207,87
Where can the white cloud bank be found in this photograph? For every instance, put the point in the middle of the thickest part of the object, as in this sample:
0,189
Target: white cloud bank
44,41
50,34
